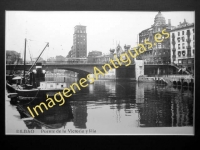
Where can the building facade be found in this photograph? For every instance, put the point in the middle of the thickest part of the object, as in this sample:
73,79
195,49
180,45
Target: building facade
79,49
51,59
102,59
60,58
160,51
92,55
182,40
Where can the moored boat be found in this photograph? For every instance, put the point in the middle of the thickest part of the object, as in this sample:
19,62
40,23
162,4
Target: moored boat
32,84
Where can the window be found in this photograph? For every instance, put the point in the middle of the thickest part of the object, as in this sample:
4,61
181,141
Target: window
183,53
178,46
182,32
193,44
179,54
159,45
183,39
178,33
183,45
178,39
188,31
158,29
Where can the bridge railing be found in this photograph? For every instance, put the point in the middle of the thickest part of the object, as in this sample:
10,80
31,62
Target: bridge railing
176,76
156,63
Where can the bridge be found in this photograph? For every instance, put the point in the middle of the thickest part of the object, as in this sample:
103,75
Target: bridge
77,67
80,68
86,68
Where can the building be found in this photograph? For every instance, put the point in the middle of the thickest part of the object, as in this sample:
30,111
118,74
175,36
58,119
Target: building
92,55
51,59
60,58
160,51
34,60
102,59
79,49
182,40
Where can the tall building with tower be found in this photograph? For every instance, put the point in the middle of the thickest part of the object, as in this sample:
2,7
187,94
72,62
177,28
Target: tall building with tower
79,42
160,52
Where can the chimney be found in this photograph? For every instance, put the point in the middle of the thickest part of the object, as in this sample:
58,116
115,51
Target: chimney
184,20
179,23
169,22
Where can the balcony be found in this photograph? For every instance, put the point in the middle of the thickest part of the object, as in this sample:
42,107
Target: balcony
188,47
174,49
188,40
173,42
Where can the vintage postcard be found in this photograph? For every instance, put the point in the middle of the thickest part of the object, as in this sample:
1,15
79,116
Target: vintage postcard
99,72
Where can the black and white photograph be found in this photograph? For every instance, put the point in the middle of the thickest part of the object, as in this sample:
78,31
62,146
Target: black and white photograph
99,72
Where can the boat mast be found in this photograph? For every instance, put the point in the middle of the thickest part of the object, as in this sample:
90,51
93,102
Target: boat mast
24,61
38,57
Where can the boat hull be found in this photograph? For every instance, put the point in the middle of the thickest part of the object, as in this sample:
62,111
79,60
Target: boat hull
37,92
10,88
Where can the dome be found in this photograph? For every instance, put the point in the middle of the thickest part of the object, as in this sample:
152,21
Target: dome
159,15
159,19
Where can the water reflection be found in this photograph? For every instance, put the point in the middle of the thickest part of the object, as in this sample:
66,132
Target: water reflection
165,106
80,114
126,103
55,117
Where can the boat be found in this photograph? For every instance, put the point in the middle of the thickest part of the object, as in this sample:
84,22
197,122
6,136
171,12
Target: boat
31,84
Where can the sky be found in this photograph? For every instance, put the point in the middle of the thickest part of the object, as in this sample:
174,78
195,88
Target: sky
104,29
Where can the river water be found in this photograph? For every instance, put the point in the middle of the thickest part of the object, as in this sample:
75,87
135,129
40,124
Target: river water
112,107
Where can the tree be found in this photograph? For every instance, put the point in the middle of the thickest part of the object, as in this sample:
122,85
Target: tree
12,57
